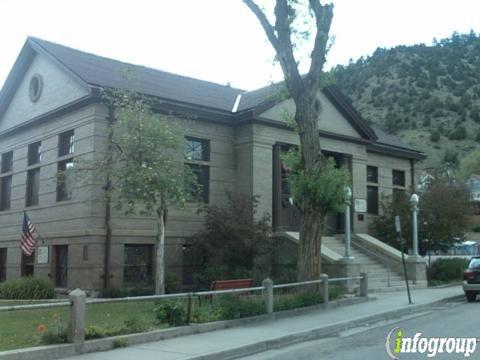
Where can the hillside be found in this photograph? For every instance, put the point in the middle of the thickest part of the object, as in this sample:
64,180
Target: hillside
427,95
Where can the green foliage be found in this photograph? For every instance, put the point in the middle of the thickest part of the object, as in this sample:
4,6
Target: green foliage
171,312
323,187
94,332
435,136
469,165
56,334
119,343
443,216
232,239
447,270
111,293
299,300
236,307
149,147
173,283
459,133
27,288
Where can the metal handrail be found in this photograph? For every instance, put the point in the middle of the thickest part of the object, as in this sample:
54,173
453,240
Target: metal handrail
172,296
36,306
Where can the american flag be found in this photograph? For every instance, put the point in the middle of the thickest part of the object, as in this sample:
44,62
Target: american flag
27,240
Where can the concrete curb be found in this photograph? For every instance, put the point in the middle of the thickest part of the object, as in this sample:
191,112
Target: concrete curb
66,350
315,333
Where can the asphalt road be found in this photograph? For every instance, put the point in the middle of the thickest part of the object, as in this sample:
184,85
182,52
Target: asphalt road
454,319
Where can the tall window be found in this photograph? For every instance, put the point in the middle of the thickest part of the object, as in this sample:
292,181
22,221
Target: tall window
3,264
372,190
61,265
33,174
64,180
28,263
138,265
6,169
66,143
65,153
197,157
398,178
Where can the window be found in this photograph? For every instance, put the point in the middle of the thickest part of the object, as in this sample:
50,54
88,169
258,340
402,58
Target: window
398,178
64,181
372,174
138,265
66,143
197,149
61,265
33,186
28,263
372,200
5,192
197,152
35,87
7,162
34,153
6,180
202,176
3,264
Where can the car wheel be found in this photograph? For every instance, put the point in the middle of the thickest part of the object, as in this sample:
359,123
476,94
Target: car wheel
471,296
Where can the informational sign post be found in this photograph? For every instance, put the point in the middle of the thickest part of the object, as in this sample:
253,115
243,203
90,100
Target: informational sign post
42,255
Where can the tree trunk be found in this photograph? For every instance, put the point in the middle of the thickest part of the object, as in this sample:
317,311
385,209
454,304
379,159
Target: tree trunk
309,247
160,253
311,219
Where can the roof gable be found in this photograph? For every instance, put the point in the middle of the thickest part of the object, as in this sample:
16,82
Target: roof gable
58,88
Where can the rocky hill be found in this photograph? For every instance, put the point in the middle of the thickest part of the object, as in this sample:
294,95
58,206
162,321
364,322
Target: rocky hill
427,95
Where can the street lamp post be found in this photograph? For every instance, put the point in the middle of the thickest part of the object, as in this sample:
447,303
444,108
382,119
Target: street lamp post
348,237
414,200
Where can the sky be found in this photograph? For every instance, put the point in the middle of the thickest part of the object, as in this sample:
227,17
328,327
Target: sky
218,40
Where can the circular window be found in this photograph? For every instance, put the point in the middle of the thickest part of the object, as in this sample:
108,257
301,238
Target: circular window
35,88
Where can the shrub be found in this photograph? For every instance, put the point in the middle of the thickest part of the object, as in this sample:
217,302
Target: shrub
447,270
236,307
94,332
27,288
171,312
172,284
302,299
111,293
141,291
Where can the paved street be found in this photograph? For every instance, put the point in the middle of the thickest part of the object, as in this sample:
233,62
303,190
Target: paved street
454,319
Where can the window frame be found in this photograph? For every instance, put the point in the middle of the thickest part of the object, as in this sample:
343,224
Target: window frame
127,267
62,192
375,169
7,158
375,205
34,153
65,149
32,197
3,264
200,167
403,178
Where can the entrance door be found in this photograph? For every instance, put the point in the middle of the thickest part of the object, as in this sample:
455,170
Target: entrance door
61,266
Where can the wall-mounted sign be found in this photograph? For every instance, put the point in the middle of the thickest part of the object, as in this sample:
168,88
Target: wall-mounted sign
360,205
42,255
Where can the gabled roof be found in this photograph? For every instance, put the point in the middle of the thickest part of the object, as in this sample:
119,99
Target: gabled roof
93,72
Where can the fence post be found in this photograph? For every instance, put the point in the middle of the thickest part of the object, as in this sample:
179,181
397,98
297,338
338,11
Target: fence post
364,285
324,278
268,295
76,326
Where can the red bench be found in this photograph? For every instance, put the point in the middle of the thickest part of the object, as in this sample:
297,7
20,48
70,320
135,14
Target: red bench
230,284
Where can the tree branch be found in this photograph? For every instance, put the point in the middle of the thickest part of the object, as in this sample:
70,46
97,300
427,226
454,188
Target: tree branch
262,18
323,19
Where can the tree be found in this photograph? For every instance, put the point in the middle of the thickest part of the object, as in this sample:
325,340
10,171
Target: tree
469,165
443,216
142,166
303,90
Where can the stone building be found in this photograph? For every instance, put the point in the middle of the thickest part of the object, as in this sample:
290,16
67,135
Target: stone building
51,113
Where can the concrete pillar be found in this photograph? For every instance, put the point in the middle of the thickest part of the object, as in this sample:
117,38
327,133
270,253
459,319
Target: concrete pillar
364,285
268,295
325,294
76,326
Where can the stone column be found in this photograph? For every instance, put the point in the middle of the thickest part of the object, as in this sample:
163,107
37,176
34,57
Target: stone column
76,326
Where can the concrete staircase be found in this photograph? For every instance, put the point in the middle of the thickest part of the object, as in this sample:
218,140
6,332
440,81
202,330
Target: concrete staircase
380,277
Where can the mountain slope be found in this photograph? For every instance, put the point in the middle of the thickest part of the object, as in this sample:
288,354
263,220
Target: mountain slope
427,95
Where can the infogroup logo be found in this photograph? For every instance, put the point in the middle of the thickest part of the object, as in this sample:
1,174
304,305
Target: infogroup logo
397,343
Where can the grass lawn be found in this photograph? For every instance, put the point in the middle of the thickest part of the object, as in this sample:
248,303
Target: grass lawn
18,329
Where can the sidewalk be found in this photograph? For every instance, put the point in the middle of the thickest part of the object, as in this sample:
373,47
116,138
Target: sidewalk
258,337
